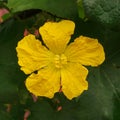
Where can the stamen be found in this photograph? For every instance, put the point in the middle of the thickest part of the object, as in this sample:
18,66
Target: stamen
60,60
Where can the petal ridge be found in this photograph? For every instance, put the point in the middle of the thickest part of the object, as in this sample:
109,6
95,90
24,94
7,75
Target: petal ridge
87,51
56,35
73,80
32,55
45,83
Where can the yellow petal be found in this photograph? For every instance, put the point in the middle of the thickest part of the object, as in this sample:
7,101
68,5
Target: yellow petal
31,54
73,80
46,83
86,51
56,35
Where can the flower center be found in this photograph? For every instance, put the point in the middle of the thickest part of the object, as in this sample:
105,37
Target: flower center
60,60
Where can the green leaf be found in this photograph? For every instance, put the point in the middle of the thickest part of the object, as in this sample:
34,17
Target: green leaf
60,8
7,88
4,112
10,74
106,12
5,116
81,9
41,110
6,16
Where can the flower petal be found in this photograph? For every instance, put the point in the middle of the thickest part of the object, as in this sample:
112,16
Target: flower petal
73,80
31,54
56,35
86,51
45,83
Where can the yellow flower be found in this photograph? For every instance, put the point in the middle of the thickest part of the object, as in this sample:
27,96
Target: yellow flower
58,64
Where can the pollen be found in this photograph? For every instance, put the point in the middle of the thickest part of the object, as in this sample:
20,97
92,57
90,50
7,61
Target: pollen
60,60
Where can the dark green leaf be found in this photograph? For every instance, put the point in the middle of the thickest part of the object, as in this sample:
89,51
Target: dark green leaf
6,16
10,74
106,12
5,116
60,8
81,9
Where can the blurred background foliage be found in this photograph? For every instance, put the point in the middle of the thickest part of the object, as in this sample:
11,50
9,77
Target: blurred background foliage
94,18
